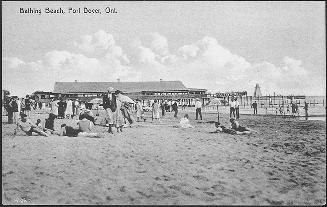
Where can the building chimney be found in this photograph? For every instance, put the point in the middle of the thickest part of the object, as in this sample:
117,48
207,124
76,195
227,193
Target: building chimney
118,80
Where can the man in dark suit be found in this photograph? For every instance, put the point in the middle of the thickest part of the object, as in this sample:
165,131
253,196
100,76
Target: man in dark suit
109,104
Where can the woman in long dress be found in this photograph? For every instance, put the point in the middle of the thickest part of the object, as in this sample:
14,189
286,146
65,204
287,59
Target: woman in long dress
54,107
139,111
118,115
155,110
69,109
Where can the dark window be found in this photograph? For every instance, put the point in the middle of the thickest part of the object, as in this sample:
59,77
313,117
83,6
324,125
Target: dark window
42,96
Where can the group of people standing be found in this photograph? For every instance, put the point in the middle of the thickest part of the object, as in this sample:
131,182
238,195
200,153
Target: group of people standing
234,108
15,106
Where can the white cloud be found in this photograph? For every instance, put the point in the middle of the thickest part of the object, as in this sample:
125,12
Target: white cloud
203,64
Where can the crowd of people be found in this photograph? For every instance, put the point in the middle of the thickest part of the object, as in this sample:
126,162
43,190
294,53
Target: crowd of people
118,113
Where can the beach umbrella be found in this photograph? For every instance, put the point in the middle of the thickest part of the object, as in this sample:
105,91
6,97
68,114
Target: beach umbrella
124,98
215,102
96,100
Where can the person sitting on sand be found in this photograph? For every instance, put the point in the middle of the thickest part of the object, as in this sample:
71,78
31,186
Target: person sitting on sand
240,129
68,131
185,123
26,126
85,127
88,115
48,125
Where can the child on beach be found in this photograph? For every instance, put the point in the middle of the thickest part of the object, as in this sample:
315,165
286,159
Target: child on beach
185,123
26,126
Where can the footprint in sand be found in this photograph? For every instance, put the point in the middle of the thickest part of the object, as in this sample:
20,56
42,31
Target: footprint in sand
200,177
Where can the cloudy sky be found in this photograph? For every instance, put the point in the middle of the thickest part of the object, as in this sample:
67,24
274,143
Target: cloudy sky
220,46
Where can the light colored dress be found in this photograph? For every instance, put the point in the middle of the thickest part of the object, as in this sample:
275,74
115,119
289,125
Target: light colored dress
69,108
54,107
185,123
139,110
118,115
156,111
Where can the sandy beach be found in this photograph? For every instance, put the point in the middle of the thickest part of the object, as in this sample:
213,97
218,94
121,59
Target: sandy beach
156,163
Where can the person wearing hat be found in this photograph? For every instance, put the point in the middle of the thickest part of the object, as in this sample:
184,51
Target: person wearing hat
110,105
26,126
198,106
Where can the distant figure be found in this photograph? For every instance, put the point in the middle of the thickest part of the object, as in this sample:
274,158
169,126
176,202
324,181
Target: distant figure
185,123
15,110
288,109
26,126
40,104
69,109
61,109
232,107
76,107
139,110
240,129
198,106
22,106
255,107
162,106
175,108
54,107
306,107
293,108
8,108
155,110
237,108
28,106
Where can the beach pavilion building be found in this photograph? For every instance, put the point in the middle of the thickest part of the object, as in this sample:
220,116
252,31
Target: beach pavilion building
145,91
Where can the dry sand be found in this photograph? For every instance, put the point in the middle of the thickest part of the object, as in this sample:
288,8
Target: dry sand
156,163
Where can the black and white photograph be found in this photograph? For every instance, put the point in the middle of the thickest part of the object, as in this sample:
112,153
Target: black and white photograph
164,103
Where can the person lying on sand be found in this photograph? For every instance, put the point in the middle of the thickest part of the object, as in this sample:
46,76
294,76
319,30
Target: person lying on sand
185,123
240,129
221,128
68,131
26,126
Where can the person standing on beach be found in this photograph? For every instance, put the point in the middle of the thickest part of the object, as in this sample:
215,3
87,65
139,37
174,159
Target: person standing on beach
237,108
8,108
110,105
232,107
155,110
162,106
14,107
54,107
293,109
175,108
139,110
306,107
28,106
69,109
198,106
255,107
61,109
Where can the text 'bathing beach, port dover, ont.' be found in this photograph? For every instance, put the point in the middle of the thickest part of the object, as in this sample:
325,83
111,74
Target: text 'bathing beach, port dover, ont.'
68,10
